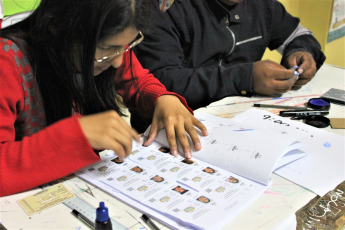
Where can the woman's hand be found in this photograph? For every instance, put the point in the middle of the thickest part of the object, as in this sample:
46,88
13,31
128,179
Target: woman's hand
172,115
108,130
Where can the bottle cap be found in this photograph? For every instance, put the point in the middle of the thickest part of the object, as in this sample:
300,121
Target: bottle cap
319,103
102,214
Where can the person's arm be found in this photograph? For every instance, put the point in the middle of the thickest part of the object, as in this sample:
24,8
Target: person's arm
300,51
305,52
140,90
53,152
300,48
302,40
162,53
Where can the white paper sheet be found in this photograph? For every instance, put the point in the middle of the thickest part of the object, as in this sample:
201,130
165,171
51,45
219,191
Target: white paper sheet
320,171
247,149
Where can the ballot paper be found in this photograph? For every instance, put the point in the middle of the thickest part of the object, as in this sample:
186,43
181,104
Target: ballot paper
323,168
204,192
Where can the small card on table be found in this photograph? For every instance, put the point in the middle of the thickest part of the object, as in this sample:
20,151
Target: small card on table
47,198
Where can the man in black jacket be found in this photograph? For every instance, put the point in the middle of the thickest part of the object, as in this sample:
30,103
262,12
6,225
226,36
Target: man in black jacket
206,50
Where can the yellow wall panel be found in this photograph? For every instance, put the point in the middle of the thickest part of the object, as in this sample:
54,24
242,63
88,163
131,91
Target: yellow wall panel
316,16
335,52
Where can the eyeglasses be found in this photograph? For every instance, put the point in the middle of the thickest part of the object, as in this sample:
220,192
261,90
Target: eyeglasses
114,53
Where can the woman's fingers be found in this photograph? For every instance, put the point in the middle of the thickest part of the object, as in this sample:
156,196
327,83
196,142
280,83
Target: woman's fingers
108,130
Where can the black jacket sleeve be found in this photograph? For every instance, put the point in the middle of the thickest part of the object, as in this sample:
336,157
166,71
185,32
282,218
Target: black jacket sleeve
164,54
305,43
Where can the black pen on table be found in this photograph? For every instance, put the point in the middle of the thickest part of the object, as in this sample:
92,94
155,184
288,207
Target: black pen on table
299,113
279,106
83,218
149,222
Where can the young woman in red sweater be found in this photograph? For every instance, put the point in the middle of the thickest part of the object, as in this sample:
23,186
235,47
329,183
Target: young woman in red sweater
70,58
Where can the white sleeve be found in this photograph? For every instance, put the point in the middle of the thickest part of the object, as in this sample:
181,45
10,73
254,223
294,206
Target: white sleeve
300,30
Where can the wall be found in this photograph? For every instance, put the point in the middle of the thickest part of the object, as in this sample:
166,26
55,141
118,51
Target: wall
316,16
335,52
17,6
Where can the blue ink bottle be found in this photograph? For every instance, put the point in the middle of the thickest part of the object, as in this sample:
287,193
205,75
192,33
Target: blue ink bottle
103,221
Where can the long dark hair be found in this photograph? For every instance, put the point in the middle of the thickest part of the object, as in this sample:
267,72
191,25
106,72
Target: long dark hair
61,36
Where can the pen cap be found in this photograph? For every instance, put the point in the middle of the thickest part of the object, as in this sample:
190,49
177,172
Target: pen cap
102,214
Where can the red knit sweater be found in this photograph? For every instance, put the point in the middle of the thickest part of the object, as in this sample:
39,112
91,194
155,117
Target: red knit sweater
60,149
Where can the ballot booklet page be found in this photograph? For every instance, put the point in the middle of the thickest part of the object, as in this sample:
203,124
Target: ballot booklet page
231,170
179,192
248,149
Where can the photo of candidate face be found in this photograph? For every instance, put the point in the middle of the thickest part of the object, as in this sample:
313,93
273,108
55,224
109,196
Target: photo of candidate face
187,161
164,149
137,169
232,179
180,190
209,170
157,179
203,199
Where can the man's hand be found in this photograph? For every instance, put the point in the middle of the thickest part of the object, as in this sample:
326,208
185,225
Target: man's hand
306,66
270,78
172,115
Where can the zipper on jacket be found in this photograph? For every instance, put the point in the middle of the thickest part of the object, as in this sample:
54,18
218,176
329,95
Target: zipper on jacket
249,40
227,24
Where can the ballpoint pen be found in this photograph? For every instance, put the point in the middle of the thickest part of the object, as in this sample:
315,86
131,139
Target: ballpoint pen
149,222
86,220
302,113
135,218
279,106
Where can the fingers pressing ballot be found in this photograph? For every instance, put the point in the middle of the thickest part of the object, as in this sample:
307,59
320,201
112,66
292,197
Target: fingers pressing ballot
108,130
172,115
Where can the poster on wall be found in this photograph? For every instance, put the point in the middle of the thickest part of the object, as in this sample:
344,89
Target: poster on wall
337,26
